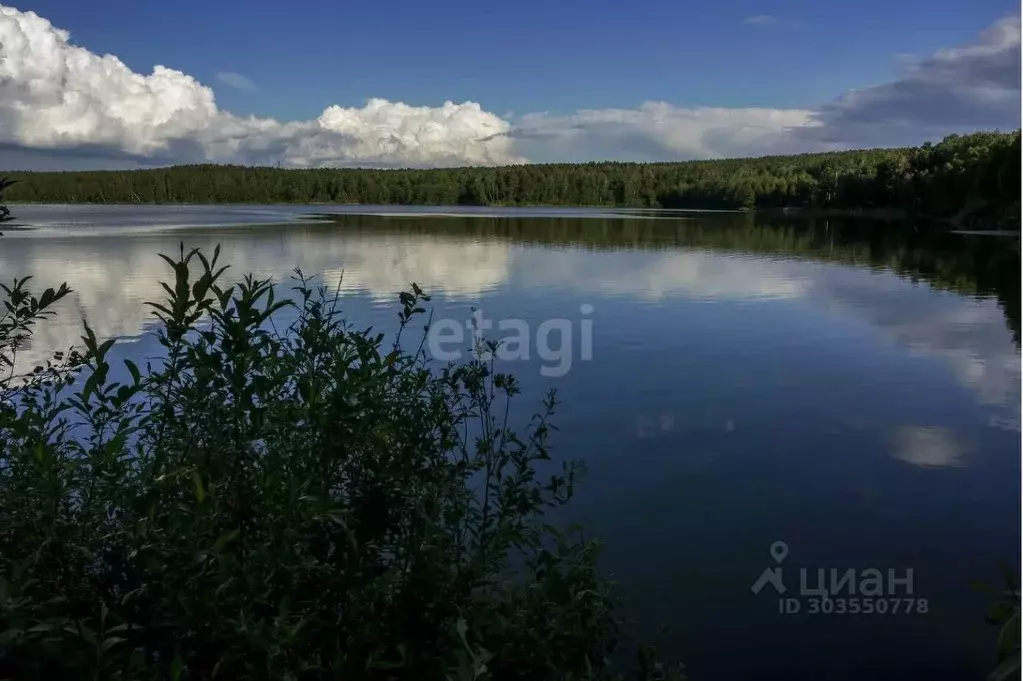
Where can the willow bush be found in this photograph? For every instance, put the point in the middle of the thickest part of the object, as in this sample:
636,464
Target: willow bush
297,503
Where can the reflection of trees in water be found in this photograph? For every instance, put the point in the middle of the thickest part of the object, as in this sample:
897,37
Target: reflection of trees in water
975,265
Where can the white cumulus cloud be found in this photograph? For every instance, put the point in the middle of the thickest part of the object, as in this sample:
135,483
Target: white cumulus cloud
56,95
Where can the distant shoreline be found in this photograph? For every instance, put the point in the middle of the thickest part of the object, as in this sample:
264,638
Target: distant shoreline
883,214
880,214
799,212
789,211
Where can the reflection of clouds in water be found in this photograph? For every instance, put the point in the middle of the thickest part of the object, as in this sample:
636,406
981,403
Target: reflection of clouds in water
114,276
109,292
455,268
652,425
702,275
1005,423
112,279
965,337
658,275
928,446
968,334
655,425
379,266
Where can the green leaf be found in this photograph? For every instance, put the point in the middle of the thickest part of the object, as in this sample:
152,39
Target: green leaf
125,600
120,627
136,376
176,667
1008,669
1009,636
200,491
82,631
107,344
110,642
1000,612
225,539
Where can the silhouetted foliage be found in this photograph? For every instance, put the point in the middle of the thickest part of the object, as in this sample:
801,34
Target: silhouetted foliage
1005,613
961,175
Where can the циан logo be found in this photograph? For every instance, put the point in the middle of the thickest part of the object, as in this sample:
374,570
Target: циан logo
846,592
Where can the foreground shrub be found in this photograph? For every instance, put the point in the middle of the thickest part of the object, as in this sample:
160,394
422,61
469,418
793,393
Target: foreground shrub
265,504
1005,613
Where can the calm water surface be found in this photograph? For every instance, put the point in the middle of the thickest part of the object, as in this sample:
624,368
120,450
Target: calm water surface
852,391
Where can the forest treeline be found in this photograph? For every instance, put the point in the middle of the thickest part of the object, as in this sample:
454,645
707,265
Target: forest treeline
960,175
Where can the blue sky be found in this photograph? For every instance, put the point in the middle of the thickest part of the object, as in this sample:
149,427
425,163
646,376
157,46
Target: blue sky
531,55
525,57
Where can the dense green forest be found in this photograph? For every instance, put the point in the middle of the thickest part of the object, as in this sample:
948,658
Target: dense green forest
976,173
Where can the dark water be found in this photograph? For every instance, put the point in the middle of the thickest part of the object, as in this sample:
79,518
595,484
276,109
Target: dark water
850,390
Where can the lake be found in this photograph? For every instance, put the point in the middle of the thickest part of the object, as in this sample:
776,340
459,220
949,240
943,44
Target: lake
746,393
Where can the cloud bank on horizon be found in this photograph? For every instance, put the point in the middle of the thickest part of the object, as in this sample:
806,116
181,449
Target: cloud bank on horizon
62,106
